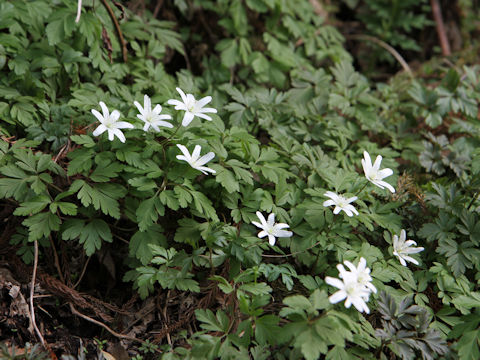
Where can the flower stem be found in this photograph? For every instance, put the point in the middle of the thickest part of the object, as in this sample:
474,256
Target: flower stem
473,199
363,187
171,136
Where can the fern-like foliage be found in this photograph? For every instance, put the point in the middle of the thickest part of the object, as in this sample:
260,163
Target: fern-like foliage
406,329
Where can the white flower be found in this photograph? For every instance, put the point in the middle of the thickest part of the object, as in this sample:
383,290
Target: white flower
108,122
341,203
402,248
192,107
270,229
351,290
151,117
194,160
361,271
374,174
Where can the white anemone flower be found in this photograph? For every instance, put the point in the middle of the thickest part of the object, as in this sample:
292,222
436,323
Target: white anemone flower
361,271
351,290
341,203
109,123
373,172
194,160
270,229
152,118
192,107
402,248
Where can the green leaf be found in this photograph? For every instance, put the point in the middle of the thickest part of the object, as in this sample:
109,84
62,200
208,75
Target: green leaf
211,322
141,241
84,140
101,196
143,183
267,330
34,206
55,31
65,207
41,225
104,172
167,197
226,178
310,344
148,211
81,161
468,345
90,235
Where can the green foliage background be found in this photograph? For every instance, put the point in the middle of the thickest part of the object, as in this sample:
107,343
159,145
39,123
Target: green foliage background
294,117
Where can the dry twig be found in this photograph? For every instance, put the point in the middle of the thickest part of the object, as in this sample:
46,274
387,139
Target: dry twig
387,47
32,291
119,31
442,35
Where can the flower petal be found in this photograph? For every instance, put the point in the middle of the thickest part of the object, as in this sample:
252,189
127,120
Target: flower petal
196,152
262,234
384,173
147,104
203,101
368,160
376,164
182,95
187,118
98,115
261,218
119,134
283,233
203,116
271,219
331,195
105,111
139,107
337,297
271,240
124,125
111,134
157,109
206,158
257,224
387,185
162,123
178,104
205,169
115,115
334,282
328,203
99,130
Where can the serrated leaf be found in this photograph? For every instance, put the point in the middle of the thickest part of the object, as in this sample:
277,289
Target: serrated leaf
104,172
267,330
226,178
41,225
84,140
143,183
148,211
67,208
34,206
141,242
209,321
90,234
101,196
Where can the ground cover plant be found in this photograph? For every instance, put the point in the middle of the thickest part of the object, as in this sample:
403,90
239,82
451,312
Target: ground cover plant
218,179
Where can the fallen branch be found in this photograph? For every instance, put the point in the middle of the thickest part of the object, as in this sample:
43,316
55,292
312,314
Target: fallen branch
387,47
119,31
111,331
442,35
32,291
